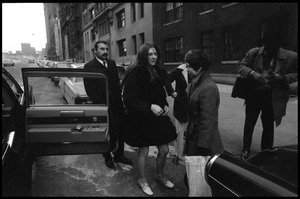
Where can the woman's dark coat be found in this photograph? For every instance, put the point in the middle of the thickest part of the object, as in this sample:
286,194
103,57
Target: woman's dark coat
143,127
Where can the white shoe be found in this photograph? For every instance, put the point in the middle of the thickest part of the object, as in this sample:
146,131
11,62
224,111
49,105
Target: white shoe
145,187
165,181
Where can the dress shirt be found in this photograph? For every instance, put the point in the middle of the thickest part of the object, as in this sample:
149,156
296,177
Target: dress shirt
103,62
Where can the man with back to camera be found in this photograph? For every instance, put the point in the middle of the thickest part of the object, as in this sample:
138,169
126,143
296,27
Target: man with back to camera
94,89
272,68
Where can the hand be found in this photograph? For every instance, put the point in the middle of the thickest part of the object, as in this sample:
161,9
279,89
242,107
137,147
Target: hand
276,79
166,111
174,94
157,110
258,78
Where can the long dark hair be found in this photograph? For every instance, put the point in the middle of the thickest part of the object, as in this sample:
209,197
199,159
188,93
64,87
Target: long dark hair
142,61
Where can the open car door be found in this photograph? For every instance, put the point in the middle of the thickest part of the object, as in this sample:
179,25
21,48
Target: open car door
56,127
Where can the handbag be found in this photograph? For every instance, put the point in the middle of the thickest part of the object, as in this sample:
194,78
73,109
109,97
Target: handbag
243,88
195,170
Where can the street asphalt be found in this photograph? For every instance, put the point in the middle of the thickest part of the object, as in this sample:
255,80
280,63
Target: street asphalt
87,175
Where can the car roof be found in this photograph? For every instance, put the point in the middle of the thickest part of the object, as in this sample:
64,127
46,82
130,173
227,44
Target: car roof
77,65
280,161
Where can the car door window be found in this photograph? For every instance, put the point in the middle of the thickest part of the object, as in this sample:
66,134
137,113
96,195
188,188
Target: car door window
15,87
66,116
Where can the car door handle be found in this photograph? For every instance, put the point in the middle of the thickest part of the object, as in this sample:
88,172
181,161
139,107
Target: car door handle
71,113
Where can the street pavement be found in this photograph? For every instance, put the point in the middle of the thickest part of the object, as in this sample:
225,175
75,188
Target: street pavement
87,175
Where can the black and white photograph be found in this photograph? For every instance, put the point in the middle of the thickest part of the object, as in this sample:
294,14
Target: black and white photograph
139,99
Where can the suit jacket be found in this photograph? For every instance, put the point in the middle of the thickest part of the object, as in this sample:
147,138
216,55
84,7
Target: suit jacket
286,65
203,130
96,90
180,102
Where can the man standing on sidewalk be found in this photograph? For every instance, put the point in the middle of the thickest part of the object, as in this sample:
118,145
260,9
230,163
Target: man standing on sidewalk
272,68
97,92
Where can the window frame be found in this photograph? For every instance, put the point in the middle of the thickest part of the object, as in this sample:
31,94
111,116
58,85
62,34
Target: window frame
232,42
173,12
174,49
122,48
121,19
208,44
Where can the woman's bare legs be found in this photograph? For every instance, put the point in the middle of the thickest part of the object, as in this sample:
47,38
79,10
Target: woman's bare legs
142,160
163,151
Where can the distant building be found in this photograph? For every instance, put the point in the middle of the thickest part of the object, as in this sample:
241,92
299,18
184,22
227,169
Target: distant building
70,17
124,26
27,50
131,27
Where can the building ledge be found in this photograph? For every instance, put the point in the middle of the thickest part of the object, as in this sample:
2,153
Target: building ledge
228,5
206,12
230,62
166,24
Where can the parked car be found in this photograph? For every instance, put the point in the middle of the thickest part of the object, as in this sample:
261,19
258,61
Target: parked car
49,64
16,160
31,61
44,63
42,127
73,89
60,65
269,173
8,62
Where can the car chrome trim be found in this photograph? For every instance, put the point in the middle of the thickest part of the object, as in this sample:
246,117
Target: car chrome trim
224,186
8,144
11,138
211,161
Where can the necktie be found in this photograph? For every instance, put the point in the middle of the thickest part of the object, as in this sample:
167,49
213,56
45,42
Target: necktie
104,63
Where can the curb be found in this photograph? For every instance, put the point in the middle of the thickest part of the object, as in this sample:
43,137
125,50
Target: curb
227,79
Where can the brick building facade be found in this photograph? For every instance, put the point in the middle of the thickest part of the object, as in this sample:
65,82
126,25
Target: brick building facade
226,31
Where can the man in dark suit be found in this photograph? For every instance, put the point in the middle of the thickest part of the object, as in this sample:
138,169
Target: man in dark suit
97,92
272,68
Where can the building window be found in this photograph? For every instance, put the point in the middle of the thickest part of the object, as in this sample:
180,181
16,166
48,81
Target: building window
93,35
103,28
121,19
141,10
133,14
92,12
174,12
207,44
122,47
174,49
142,38
134,44
232,43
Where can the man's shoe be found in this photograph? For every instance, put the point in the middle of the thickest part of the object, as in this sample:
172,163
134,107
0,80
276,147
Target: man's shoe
123,160
245,154
109,163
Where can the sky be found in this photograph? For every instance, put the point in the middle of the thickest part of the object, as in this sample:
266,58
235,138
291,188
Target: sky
23,23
